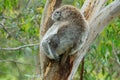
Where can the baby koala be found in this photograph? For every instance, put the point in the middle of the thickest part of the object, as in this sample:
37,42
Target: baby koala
67,34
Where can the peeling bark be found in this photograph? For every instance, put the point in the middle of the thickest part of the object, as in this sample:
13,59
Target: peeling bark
103,18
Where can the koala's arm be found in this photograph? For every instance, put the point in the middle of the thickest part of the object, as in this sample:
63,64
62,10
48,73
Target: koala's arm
49,50
50,42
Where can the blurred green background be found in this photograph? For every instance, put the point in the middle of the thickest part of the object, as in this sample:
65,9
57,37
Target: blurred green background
20,24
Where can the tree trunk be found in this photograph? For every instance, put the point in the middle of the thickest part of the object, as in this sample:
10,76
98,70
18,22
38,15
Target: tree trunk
98,16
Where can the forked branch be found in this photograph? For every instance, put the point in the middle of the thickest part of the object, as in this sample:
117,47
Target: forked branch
103,18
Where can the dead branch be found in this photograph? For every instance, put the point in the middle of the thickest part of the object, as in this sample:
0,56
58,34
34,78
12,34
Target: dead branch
20,47
16,62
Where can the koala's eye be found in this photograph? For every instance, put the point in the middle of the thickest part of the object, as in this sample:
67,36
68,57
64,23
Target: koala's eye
57,12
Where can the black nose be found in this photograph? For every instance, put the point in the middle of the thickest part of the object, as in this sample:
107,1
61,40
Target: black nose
58,13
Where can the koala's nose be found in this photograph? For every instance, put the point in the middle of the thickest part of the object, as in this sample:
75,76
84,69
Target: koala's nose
57,13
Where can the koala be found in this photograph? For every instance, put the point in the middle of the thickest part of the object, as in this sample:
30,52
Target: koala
68,33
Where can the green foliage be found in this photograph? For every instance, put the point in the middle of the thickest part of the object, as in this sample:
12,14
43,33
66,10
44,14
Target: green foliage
101,63
20,26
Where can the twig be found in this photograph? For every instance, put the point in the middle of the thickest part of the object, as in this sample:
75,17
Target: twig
82,70
26,5
19,47
115,54
18,69
4,28
3,17
16,62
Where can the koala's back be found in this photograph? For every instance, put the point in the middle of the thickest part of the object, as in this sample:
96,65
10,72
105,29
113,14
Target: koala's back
70,37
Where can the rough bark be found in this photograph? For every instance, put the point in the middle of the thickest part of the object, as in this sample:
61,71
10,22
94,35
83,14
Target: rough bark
98,16
46,23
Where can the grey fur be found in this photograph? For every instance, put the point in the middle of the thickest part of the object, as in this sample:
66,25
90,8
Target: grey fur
67,34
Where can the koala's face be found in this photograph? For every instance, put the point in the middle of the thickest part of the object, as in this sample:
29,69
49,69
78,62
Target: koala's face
56,16
64,13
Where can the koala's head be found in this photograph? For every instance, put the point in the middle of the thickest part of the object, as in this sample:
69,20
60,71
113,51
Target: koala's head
66,12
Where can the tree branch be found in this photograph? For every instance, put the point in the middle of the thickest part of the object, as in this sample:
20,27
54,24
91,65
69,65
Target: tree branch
115,54
82,70
100,18
18,48
91,7
9,33
26,5
4,28
103,18
16,62
46,23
